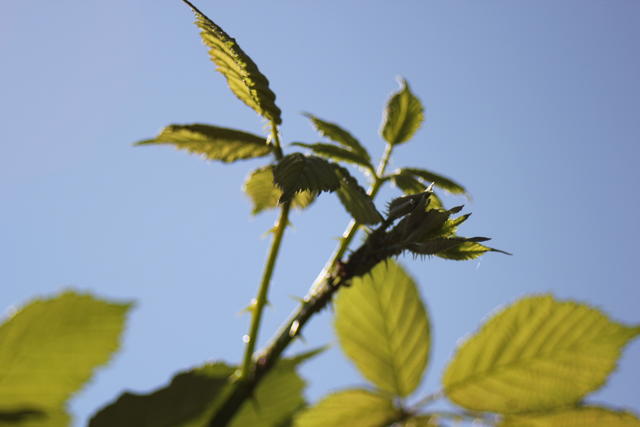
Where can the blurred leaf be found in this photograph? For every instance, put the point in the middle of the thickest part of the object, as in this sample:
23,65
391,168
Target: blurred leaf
349,408
296,172
335,152
213,142
53,418
403,116
383,328
587,416
439,180
243,76
535,355
467,250
264,194
355,199
421,421
337,134
49,349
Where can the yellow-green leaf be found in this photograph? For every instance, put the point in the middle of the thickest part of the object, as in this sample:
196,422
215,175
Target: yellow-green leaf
337,134
421,421
535,355
296,172
429,177
243,76
34,418
383,328
335,152
587,416
264,194
355,199
349,408
212,142
50,348
467,250
403,115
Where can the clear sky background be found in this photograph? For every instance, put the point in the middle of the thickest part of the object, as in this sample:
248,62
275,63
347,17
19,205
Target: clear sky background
534,106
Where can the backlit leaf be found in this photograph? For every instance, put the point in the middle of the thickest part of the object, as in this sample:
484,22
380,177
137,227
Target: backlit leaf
212,142
355,199
337,134
335,152
382,327
421,421
296,172
349,408
53,418
264,194
467,250
535,355
243,76
587,416
403,116
50,348
438,180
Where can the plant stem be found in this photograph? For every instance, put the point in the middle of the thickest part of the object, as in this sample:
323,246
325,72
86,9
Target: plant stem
257,306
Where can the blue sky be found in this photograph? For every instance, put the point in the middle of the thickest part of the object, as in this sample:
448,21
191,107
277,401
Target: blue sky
532,105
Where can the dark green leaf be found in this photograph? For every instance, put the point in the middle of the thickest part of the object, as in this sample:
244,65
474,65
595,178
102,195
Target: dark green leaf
438,180
349,408
213,142
337,134
296,172
383,328
355,199
335,152
243,76
264,194
403,116
536,355
586,416
50,348
440,245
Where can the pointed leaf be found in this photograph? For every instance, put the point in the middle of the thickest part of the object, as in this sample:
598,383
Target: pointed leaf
467,250
264,194
382,327
355,199
335,152
51,347
439,180
297,172
243,76
587,416
439,245
212,142
337,134
403,116
535,355
349,408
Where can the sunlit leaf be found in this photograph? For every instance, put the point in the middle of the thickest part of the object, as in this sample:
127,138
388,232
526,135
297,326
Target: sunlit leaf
264,194
355,199
337,134
383,328
212,142
335,152
403,116
421,421
467,250
429,177
349,408
441,245
535,355
297,172
50,348
587,416
243,76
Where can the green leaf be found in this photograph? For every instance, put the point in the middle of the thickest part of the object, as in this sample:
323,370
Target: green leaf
337,134
535,355
442,245
421,421
264,194
349,408
243,76
587,416
212,142
429,177
35,418
188,401
296,172
467,250
335,152
355,199
382,326
403,116
50,348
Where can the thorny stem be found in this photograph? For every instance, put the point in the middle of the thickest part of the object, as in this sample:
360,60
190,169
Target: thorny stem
257,306
320,294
